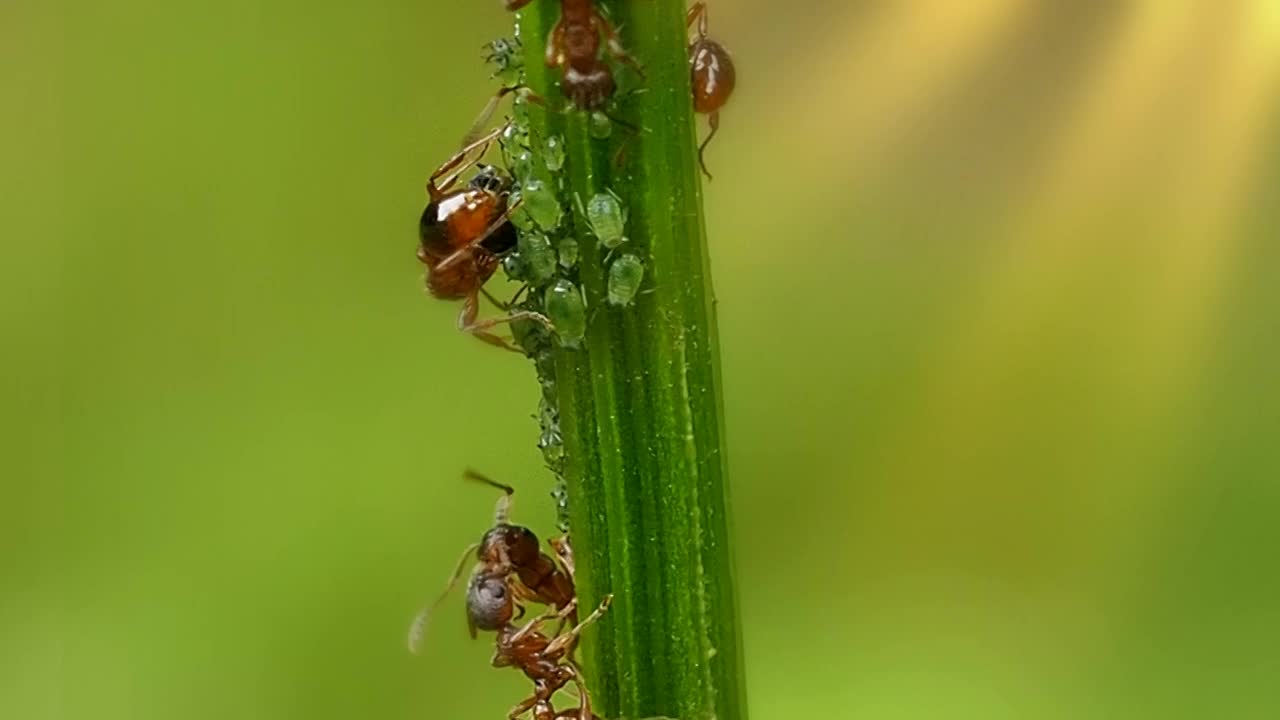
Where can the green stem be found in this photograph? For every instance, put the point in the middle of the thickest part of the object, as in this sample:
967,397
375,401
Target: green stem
639,404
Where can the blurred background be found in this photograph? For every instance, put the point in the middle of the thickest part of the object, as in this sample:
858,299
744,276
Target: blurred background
1000,304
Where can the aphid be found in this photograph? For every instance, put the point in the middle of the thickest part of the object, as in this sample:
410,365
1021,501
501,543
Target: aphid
507,58
625,275
541,203
505,550
463,232
607,217
564,304
711,70
539,258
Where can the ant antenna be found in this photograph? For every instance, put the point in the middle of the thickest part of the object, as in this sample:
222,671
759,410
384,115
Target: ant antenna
418,628
503,509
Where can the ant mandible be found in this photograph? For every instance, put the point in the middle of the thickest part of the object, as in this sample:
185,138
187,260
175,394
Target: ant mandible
713,75
507,549
462,234
544,660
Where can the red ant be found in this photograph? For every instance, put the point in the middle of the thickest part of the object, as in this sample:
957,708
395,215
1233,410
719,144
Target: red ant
713,75
574,47
504,550
544,660
463,233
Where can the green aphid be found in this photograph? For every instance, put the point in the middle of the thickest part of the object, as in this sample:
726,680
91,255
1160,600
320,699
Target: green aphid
522,165
553,153
520,216
513,265
607,218
506,56
538,258
625,275
568,252
600,126
567,311
541,203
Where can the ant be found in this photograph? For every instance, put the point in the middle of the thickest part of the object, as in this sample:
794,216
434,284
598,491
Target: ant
463,233
574,47
713,75
545,660
507,549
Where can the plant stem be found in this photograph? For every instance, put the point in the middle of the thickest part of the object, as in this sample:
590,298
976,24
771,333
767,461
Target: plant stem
638,400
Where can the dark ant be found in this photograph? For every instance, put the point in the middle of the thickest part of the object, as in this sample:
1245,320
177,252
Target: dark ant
463,233
544,660
713,75
504,550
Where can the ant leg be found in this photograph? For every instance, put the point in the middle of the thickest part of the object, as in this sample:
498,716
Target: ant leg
468,323
534,624
516,4
564,551
491,107
419,626
555,55
570,637
713,120
697,11
525,706
458,164
614,45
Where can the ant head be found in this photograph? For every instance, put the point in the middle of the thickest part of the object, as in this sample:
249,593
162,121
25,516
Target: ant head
512,545
588,88
490,605
490,179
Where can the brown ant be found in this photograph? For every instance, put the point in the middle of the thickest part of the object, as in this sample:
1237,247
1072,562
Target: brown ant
574,47
506,550
544,660
713,75
463,233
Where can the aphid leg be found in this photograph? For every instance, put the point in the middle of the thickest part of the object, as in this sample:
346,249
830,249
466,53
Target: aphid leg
419,625
633,132
713,120
505,306
571,637
458,164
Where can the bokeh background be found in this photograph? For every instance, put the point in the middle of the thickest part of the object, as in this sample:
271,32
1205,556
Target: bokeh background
999,286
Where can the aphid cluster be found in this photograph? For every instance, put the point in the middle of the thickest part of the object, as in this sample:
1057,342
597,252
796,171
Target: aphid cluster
519,215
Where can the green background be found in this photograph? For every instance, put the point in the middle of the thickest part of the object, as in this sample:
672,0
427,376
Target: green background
1000,319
